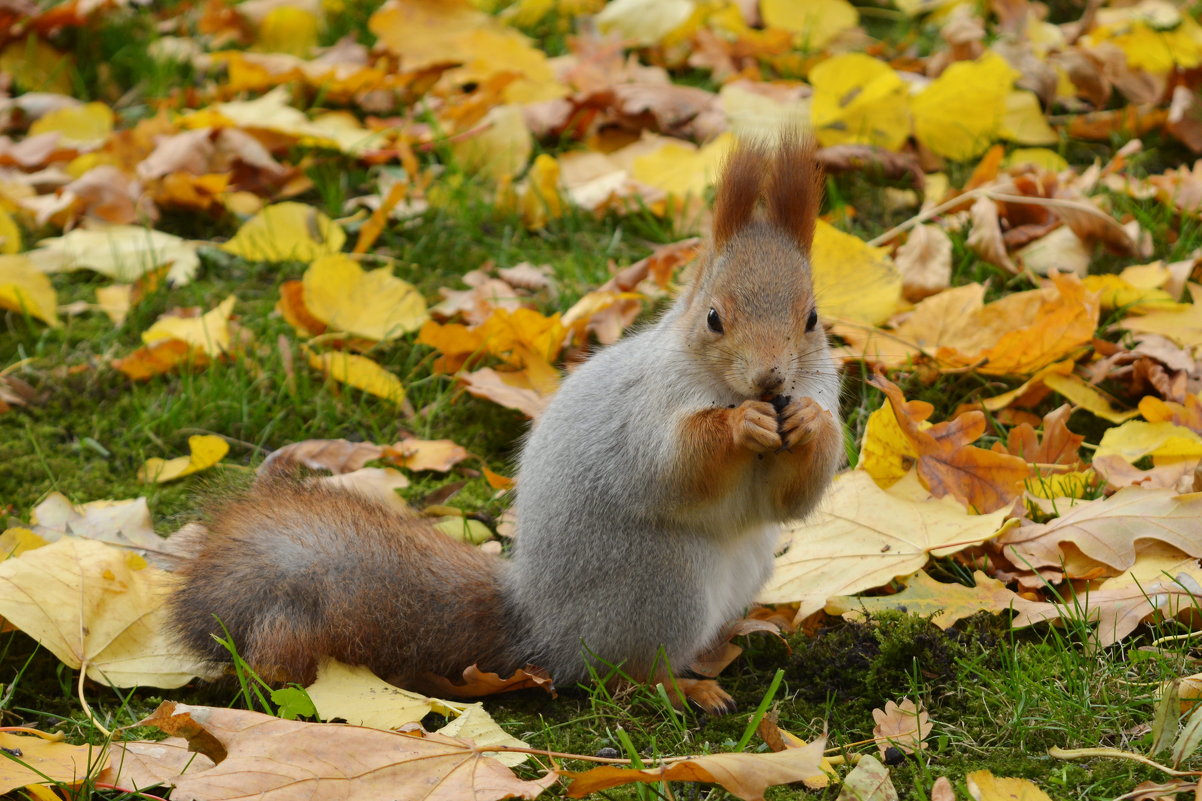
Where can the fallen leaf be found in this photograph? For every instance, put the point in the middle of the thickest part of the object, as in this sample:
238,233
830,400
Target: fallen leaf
99,608
206,450
46,760
359,372
1135,439
858,100
946,463
962,111
1183,327
274,758
126,524
208,334
375,305
925,262
1107,530
512,390
852,279
84,126
158,358
943,603
869,780
745,776
863,537
814,24
984,786
427,454
287,232
27,290
903,726
122,252
335,455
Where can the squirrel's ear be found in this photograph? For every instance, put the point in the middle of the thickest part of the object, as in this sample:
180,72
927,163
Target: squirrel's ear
738,191
794,191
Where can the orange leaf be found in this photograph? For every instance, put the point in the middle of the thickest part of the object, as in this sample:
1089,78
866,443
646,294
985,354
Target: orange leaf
158,358
982,480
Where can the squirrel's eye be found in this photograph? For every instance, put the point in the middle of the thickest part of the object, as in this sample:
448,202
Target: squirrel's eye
714,321
812,321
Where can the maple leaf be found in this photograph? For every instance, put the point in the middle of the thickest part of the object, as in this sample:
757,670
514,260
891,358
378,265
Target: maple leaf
902,726
274,758
745,776
948,465
944,603
863,537
1107,530
96,608
44,759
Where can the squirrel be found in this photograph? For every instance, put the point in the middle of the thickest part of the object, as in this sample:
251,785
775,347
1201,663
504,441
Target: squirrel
650,494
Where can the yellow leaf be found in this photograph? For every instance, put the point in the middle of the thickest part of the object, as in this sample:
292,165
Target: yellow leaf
1114,292
287,29
27,290
864,537
1024,121
121,252
1135,439
501,150
1183,327
16,541
644,22
94,604
206,450
1155,50
1087,396
886,453
814,23
961,113
286,232
209,333
42,760
1041,157
115,301
86,126
376,305
859,100
10,234
359,372
987,787
38,67
853,280
682,170
538,197
424,33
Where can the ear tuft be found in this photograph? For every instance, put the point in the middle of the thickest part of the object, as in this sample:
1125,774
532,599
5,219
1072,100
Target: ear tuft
794,191
739,191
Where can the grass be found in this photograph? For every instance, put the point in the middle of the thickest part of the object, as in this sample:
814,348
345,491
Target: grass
999,698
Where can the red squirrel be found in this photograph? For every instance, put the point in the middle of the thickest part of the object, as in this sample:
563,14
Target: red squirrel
650,494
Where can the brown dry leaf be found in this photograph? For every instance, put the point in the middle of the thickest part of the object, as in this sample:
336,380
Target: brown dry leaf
512,390
902,726
477,683
126,524
948,465
270,758
1106,531
864,537
1057,445
780,740
1119,611
335,455
942,790
1165,473
985,238
745,776
944,603
925,262
426,454
99,607
1185,118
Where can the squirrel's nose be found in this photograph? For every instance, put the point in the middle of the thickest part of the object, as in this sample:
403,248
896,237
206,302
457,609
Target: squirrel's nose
769,381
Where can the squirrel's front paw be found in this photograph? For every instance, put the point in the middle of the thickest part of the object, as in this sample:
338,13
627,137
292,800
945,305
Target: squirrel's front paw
755,427
800,420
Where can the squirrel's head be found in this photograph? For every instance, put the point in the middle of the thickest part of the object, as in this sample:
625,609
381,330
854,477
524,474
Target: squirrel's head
750,314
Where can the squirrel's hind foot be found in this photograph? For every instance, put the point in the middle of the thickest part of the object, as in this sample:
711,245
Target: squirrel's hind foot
705,695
